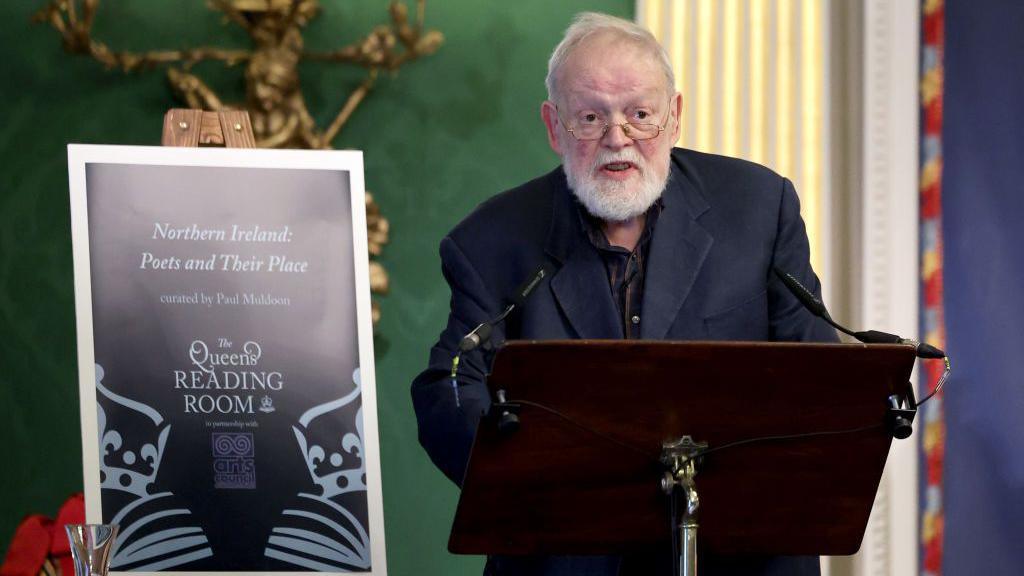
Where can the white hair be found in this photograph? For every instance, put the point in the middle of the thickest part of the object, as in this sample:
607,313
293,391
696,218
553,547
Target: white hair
586,24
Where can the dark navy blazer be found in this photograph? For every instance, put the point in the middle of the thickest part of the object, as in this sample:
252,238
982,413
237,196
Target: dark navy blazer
724,224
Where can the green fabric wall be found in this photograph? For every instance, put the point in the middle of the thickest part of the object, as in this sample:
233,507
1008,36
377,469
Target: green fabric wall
439,137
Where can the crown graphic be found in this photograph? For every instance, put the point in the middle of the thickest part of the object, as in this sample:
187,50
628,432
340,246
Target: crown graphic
120,468
334,472
266,404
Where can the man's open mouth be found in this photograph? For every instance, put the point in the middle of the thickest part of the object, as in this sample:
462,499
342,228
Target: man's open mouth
618,166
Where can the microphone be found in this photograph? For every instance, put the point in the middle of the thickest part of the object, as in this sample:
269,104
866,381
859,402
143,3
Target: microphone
816,307
482,333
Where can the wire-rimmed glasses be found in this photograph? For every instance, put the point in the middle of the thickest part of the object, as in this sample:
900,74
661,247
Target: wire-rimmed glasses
632,130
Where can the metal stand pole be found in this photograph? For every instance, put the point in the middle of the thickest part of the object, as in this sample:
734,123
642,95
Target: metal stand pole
688,523
680,456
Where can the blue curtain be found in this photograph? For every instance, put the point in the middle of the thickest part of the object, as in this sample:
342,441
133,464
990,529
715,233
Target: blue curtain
983,231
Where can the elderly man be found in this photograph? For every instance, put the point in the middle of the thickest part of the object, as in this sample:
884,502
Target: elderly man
644,241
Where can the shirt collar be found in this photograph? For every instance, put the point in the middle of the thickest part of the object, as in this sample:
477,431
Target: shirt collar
592,224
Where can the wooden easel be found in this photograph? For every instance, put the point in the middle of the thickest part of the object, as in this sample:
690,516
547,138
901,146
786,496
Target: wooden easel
189,127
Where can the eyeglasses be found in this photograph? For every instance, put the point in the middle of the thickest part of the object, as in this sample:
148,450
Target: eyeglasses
632,130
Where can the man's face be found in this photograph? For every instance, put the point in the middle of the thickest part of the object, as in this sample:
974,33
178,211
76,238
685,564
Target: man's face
609,80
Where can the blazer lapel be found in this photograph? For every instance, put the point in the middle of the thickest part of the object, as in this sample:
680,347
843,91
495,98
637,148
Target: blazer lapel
580,285
677,252
581,289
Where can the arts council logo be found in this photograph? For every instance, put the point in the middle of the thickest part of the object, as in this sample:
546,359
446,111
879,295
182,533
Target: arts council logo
234,460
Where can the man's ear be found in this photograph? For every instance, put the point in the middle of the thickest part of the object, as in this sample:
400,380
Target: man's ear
549,114
676,107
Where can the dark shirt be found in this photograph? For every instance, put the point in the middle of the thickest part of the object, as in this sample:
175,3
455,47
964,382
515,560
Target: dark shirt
625,268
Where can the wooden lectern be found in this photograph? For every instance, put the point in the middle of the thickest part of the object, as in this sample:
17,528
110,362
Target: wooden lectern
784,444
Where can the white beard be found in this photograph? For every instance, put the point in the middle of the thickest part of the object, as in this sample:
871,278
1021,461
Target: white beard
614,200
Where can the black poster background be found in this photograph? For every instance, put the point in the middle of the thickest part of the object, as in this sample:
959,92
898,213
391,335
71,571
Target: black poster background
146,322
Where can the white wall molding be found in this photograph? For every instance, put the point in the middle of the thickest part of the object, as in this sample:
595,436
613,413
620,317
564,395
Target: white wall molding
888,253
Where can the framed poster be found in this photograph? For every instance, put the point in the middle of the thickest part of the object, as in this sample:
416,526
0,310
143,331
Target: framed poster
225,358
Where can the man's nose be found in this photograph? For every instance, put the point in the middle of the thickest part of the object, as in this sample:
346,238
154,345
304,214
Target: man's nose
615,136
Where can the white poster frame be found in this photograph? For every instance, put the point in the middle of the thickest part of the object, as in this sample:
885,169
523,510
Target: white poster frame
351,162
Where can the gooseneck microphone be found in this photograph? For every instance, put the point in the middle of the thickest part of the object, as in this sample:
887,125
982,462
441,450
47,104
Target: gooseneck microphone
816,307
482,333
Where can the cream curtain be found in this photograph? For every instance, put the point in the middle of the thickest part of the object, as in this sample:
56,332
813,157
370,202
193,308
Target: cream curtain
753,76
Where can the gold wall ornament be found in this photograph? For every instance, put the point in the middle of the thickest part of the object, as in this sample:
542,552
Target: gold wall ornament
273,91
